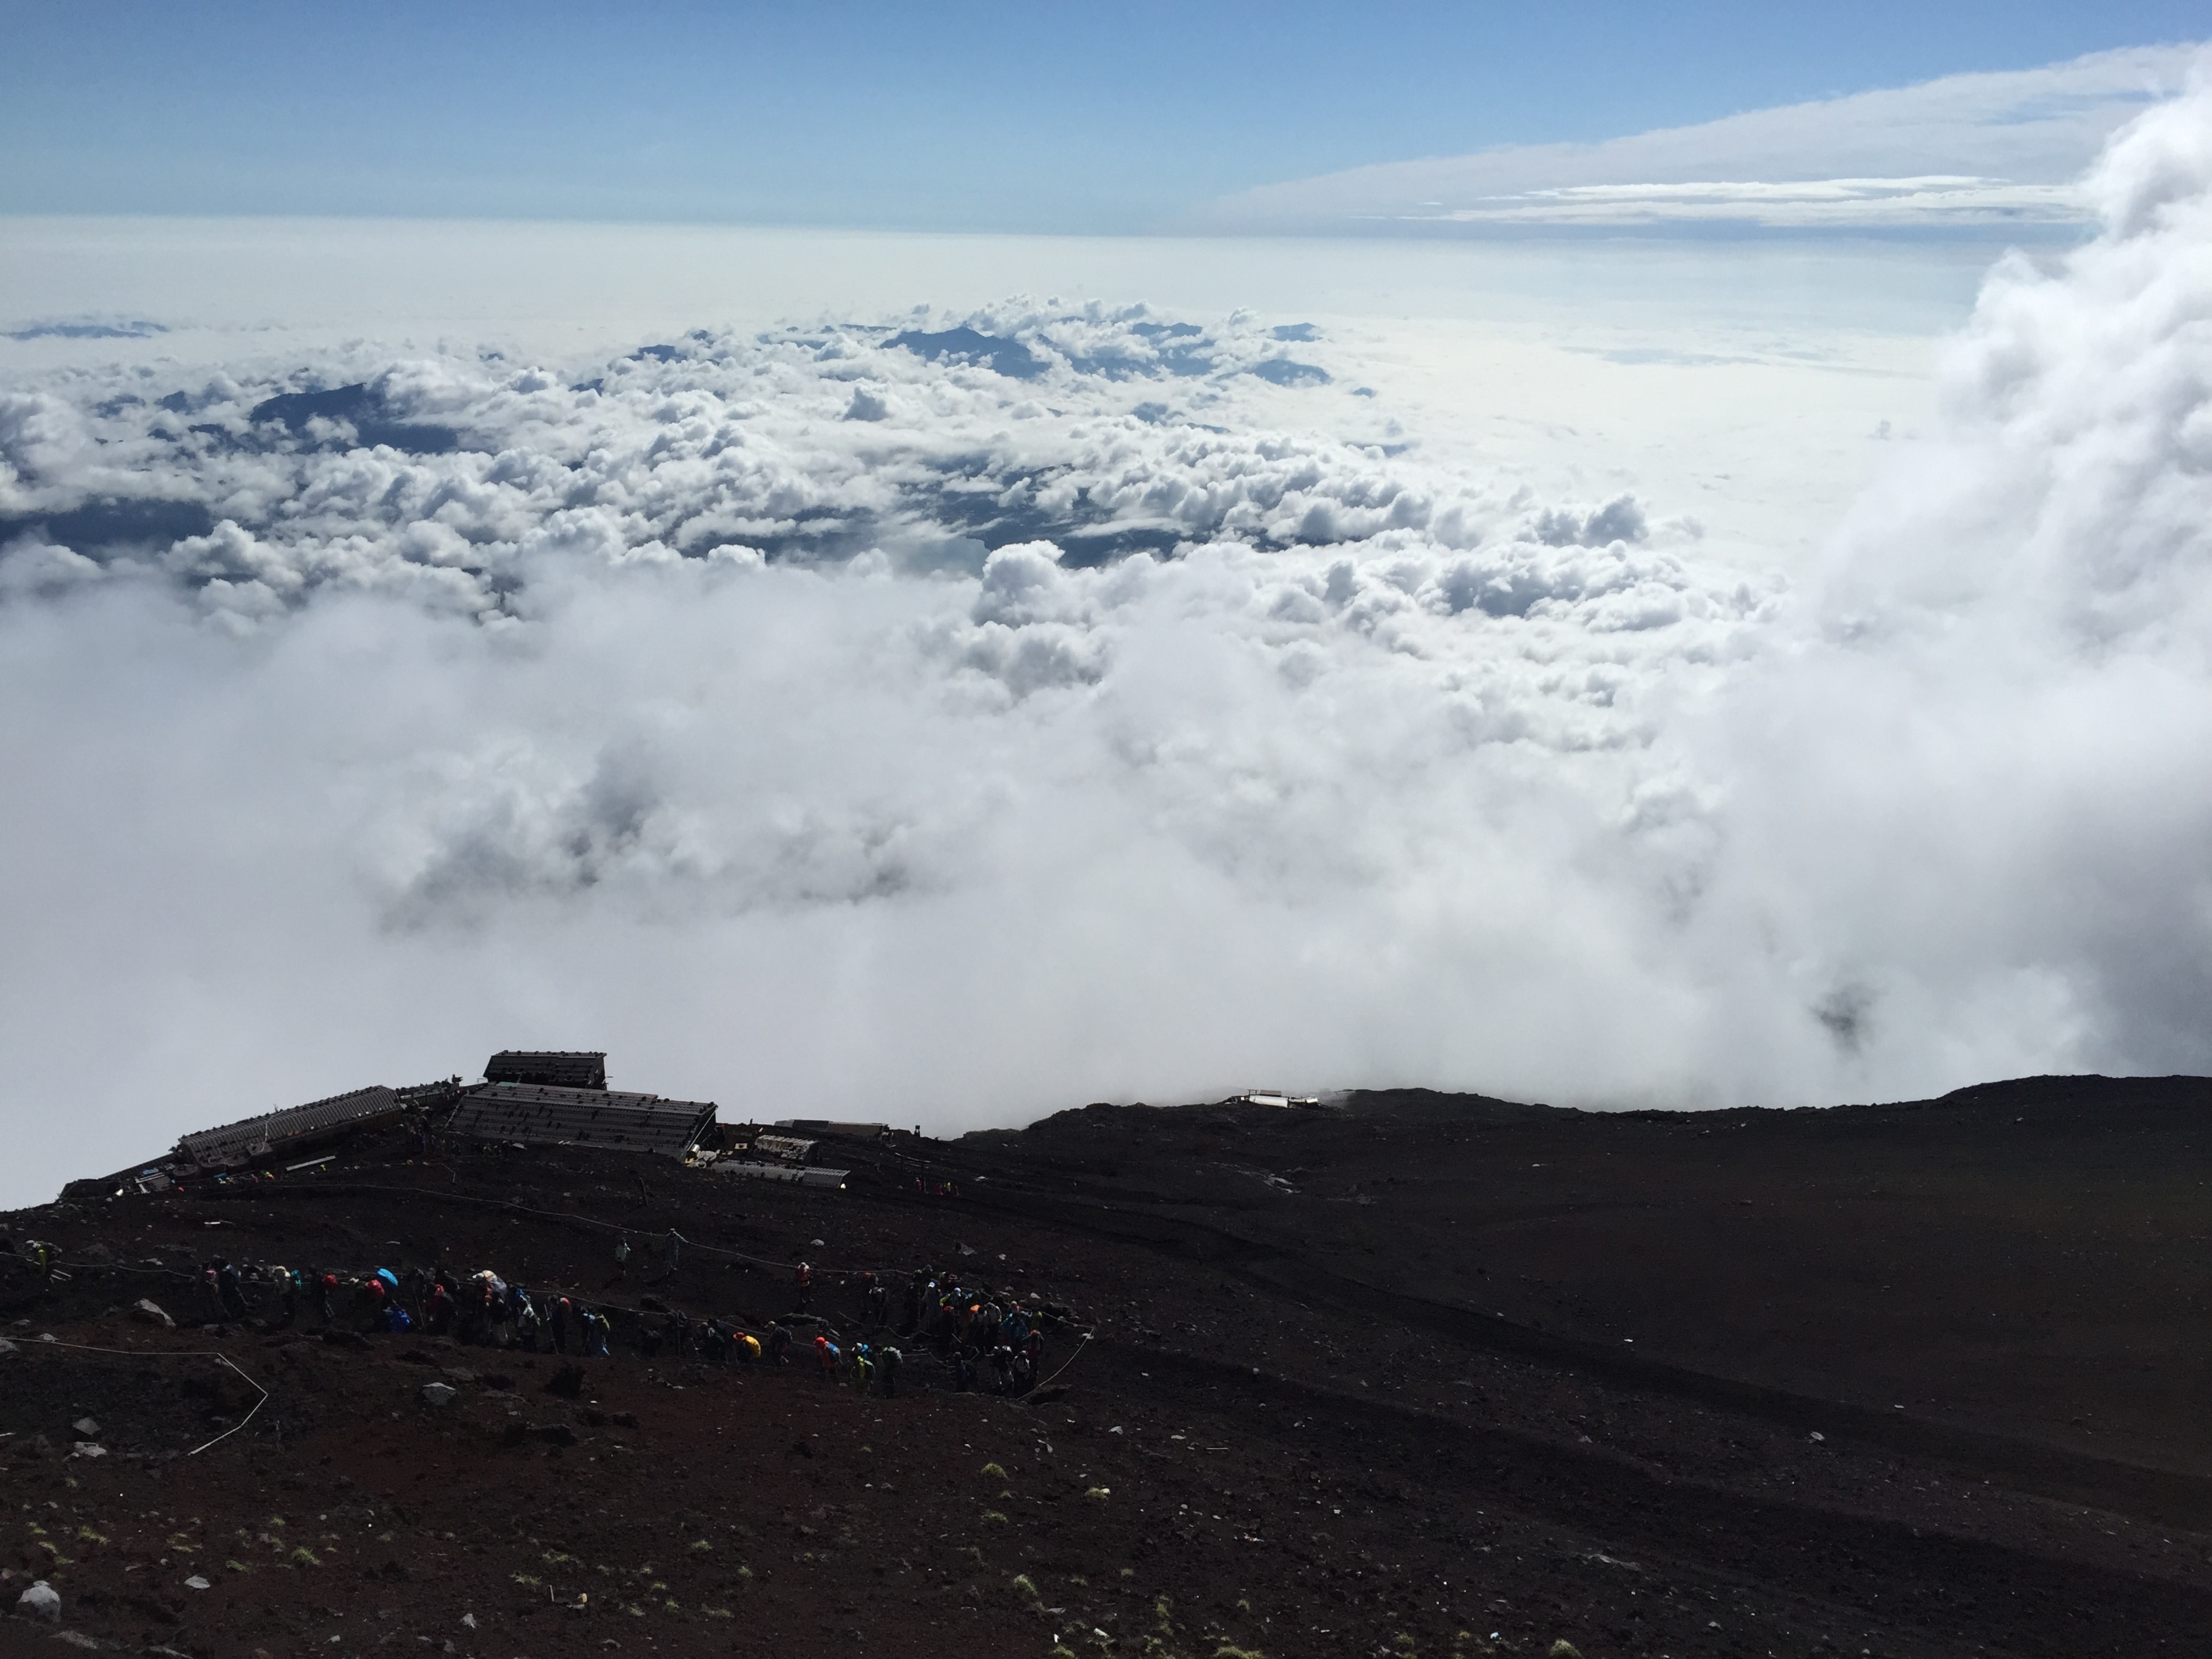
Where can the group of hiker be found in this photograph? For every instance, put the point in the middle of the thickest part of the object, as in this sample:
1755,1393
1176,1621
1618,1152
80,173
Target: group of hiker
985,1343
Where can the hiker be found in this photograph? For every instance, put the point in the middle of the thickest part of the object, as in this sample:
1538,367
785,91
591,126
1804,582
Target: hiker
672,1251
779,1341
558,1323
211,1294
526,1325
713,1347
622,1257
864,1369
879,1301
288,1293
748,1348
804,1277
887,1361
963,1372
826,1351
596,1330
1002,1366
438,1309
232,1292
678,1328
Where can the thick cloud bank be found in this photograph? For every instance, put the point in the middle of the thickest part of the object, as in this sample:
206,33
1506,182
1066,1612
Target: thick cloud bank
952,718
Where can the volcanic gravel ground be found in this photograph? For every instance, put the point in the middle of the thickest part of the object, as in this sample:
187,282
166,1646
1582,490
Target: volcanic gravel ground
1347,1380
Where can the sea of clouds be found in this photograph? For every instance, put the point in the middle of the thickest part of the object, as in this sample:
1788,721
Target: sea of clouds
951,718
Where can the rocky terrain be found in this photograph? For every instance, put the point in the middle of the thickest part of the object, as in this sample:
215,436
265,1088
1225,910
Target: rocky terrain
1405,1374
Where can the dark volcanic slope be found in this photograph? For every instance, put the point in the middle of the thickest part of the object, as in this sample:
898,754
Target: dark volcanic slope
1416,1374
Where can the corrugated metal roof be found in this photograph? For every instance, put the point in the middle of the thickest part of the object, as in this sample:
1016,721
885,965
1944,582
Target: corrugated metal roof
563,1069
823,1126
786,1172
537,1116
250,1138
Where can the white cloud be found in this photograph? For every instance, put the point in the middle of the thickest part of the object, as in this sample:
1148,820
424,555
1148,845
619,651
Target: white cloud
1967,152
1135,726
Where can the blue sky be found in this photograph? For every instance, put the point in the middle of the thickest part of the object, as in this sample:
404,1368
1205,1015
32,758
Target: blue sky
955,117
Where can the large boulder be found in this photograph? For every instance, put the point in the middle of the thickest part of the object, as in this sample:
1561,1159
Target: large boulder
41,1601
147,1311
439,1394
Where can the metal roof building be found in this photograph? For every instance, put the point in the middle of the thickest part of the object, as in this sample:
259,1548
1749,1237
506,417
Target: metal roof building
551,1069
825,1126
792,1173
537,1116
252,1137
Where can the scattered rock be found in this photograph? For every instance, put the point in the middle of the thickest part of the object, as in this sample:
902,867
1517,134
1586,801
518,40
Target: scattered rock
440,1393
568,1382
87,1427
6,1347
197,1583
41,1601
88,1448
